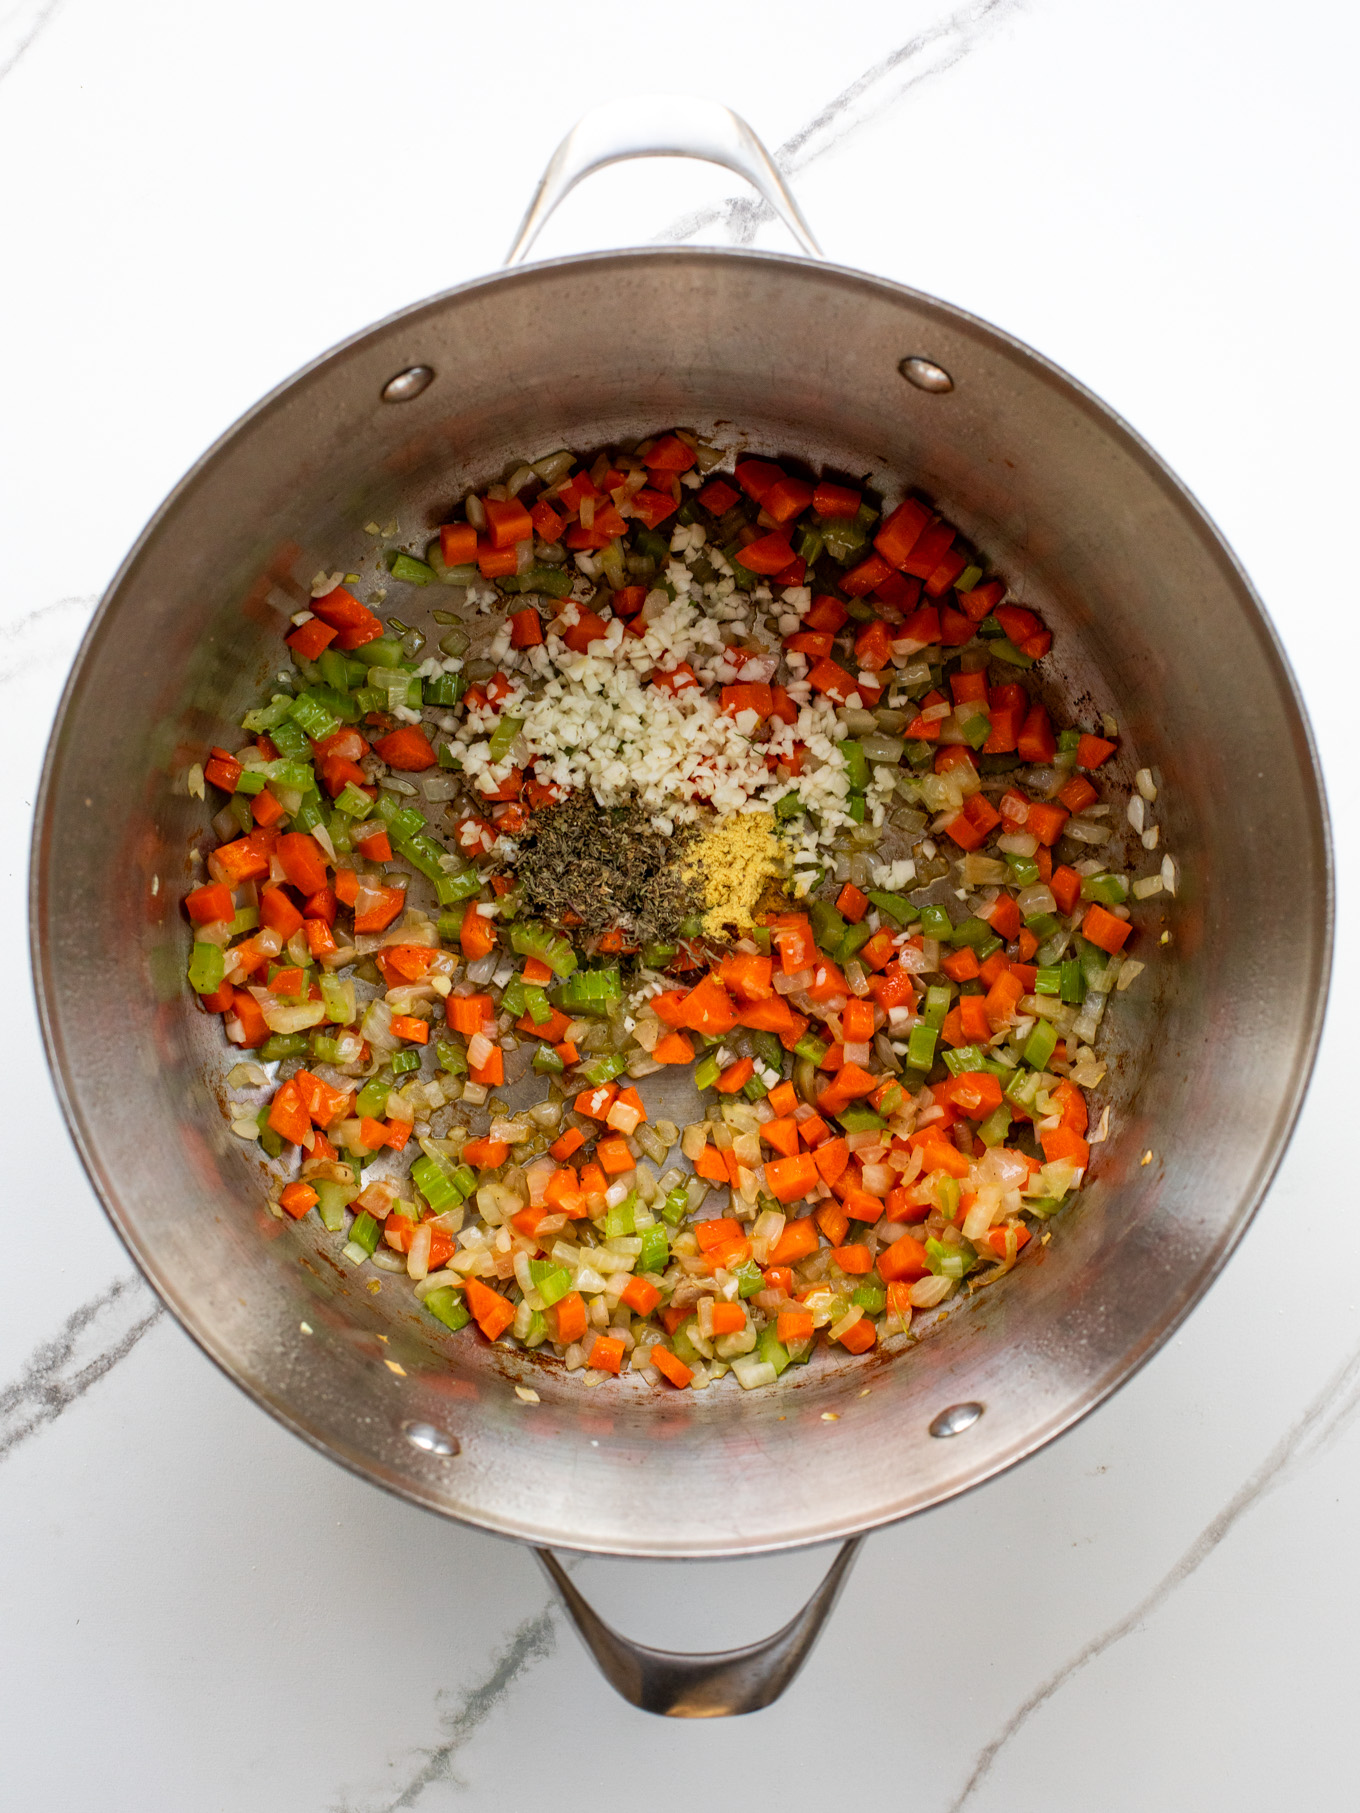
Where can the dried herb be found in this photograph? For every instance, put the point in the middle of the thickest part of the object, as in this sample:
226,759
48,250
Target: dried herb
607,867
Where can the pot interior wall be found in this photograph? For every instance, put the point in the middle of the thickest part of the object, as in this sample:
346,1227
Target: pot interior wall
1154,624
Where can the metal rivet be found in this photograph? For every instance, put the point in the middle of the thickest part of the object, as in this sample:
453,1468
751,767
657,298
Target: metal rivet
925,374
408,384
956,1419
429,1439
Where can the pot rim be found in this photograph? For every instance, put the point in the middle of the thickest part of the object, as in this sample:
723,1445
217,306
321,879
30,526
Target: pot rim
1191,1290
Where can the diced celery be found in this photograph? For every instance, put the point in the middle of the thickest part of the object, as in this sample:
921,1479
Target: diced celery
410,571
452,1058
435,1184
353,801
364,1232
503,736
921,1046
552,1282
856,937
403,1062
964,1057
858,1118
771,1349
530,938
1109,890
619,1222
656,1249
280,1045
706,1071
1072,988
1048,980
1005,650
546,1062
828,927
811,1048
372,1098
936,923
856,765
1043,925
936,1008
1041,1044
993,1131
384,651
972,932
446,1305
871,1298
332,1199
314,716
290,740
1024,870
206,968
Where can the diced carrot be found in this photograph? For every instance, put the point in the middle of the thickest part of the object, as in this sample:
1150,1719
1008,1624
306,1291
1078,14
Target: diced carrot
641,1296
790,1179
961,965
860,1336
798,1239
287,1115
1092,751
728,1318
794,1325
211,903
477,936
492,1313
1104,929
675,1048
343,611
596,1103
408,1026
606,1355
569,1317
851,903
407,748
669,1367
735,1076
783,1098
782,1134
853,1260
486,1154
1002,1000
832,1219
492,1073
297,1198
709,1165
302,860
904,1260
975,1093
614,1155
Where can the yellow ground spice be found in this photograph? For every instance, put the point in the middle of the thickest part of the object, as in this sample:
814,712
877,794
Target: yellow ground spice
731,862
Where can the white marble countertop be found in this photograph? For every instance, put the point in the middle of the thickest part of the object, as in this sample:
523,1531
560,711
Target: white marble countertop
1161,1609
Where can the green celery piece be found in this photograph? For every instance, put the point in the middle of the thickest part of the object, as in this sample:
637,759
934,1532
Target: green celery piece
589,991
556,582
451,923
207,965
446,1305
411,571
1048,980
1041,1044
280,1045
604,1068
503,736
936,1006
1072,987
856,765
452,1058
244,919
706,1072
656,1250
1068,739
291,741
465,1180
552,1282
1044,1206
339,672
313,714
445,689
250,781
921,1046
403,1062
1024,870
364,1232
423,853
308,815
788,807
754,1090
464,884
936,923
1022,1089
828,927
1093,960
353,801
977,730
370,698
750,1279
973,933
949,1261
1043,925
290,773
383,651
771,1349
673,1209
546,1062
967,579
919,752
854,807
871,1298
811,1048
536,1003
1003,649
435,1184
372,1098
858,1118
271,1142
681,1346
993,1131
1109,890
332,1199
809,546
619,1222
768,1050
856,937
267,717
657,956
531,938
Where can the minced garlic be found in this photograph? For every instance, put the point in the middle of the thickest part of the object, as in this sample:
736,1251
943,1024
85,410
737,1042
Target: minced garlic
733,860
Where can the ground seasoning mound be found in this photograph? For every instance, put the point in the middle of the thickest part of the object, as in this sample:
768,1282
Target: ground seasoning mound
609,867
731,865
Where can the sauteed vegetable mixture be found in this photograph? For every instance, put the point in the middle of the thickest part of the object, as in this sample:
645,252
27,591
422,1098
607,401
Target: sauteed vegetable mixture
727,772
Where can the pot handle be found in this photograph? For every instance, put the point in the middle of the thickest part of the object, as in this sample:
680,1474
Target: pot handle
715,1686
659,125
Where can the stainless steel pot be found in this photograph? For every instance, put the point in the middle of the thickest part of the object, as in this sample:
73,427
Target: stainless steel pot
1156,624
